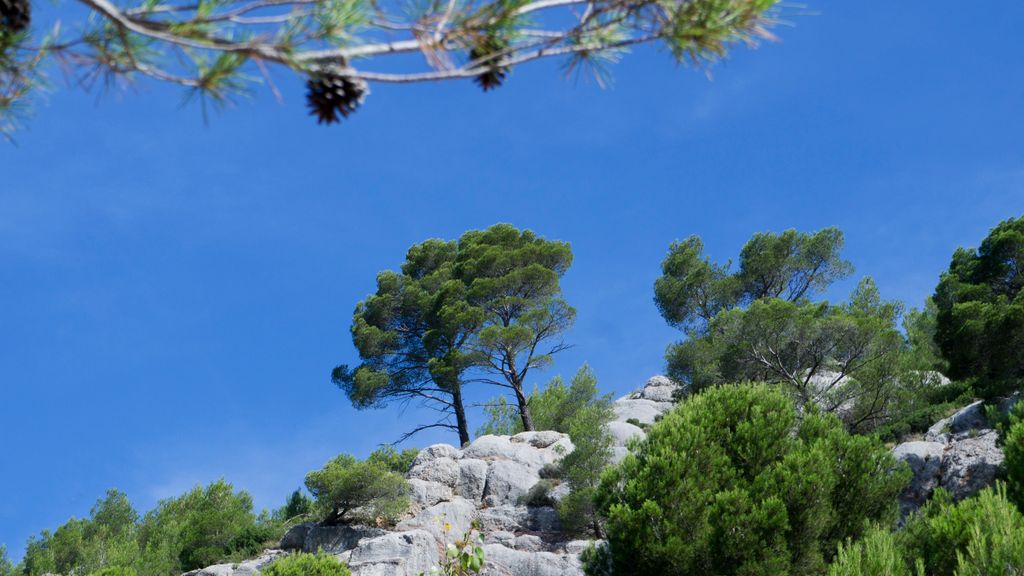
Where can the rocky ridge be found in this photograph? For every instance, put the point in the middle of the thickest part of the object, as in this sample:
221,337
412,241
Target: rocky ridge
483,482
959,453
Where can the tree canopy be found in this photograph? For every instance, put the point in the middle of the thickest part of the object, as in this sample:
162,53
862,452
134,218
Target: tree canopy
980,321
512,277
220,49
791,266
489,303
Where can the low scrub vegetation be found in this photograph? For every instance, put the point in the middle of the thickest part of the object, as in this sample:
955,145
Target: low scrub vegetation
319,564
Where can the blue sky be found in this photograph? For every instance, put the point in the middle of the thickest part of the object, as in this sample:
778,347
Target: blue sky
173,296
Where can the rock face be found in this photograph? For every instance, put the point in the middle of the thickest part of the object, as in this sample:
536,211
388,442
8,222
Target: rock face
482,483
639,408
247,568
959,453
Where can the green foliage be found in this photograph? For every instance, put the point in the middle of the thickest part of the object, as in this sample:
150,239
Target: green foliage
580,411
980,321
197,529
413,336
733,482
491,299
503,418
463,557
6,567
393,460
513,278
758,323
539,494
319,564
1013,450
877,554
115,571
347,490
792,266
298,505
106,539
980,536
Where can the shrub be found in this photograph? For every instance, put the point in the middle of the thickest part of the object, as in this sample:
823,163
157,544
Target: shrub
114,571
733,482
539,494
347,490
298,505
1013,450
319,564
876,554
200,528
392,459
979,536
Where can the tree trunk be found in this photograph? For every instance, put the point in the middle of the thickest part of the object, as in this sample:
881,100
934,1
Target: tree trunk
460,414
524,407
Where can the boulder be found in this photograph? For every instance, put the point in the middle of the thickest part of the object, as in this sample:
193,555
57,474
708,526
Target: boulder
970,417
643,411
658,388
331,539
519,519
246,568
442,470
623,432
507,481
436,451
424,493
459,514
925,461
472,479
538,439
502,561
395,554
971,464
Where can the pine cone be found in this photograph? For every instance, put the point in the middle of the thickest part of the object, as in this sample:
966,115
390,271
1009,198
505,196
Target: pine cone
15,15
494,75
329,94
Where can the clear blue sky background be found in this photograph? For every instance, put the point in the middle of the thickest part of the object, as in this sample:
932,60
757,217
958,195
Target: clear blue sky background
173,296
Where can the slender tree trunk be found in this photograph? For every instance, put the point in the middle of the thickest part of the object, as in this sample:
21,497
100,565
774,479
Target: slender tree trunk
515,379
460,414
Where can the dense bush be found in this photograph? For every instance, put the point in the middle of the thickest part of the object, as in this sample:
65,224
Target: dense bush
392,459
297,506
979,536
733,482
1013,451
115,571
980,324
202,527
349,490
319,564
106,538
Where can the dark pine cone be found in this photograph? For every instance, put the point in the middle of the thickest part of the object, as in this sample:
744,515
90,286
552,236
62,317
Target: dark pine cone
329,94
15,15
494,75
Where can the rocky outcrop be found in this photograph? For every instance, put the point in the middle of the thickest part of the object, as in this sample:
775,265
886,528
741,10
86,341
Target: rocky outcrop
960,453
247,568
481,484
640,408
